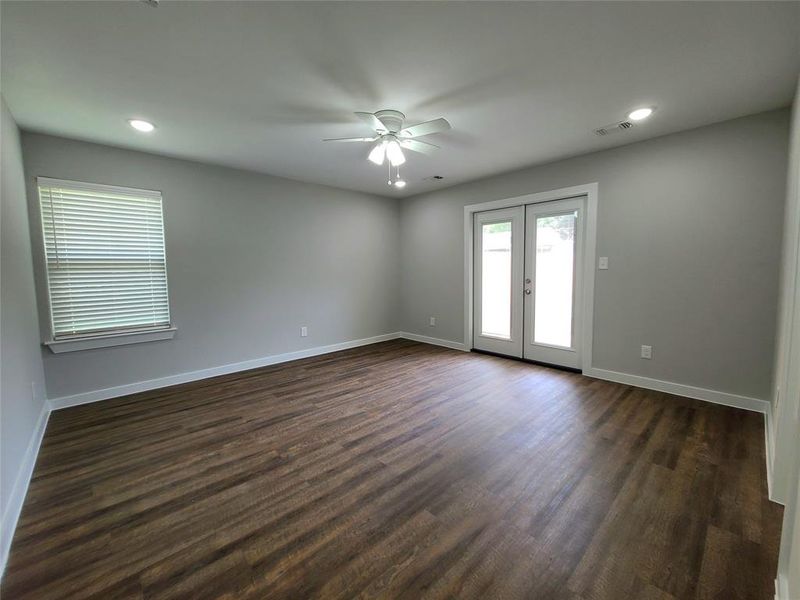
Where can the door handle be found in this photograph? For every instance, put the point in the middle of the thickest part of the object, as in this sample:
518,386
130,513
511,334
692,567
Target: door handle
527,292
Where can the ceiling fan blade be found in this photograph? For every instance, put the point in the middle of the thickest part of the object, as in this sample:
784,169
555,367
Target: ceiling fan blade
372,121
426,128
359,139
418,146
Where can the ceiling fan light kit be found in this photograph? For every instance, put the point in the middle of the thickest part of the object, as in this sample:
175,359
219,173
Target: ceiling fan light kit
377,153
393,151
392,138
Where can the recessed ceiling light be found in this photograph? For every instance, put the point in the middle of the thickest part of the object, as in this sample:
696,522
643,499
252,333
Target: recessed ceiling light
640,113
400,184
143,126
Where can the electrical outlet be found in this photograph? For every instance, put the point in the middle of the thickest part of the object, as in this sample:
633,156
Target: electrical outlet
647,352
432,322
602,263
304,332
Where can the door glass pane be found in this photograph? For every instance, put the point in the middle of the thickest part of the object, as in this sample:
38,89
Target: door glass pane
553,288
496,280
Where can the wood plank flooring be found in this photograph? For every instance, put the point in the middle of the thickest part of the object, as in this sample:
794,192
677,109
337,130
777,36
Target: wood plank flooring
398,470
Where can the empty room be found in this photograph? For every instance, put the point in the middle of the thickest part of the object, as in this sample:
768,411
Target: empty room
423,300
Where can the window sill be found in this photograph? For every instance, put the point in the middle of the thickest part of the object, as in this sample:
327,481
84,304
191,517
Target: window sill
108,340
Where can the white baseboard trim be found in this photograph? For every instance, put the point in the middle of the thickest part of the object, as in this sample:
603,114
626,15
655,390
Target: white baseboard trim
769,442
679,389
152,384
17,497
434,341
782,588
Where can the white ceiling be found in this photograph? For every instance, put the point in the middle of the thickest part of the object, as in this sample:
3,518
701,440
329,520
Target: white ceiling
257,85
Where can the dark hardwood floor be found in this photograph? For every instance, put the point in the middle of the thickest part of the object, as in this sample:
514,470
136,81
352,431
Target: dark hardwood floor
398,470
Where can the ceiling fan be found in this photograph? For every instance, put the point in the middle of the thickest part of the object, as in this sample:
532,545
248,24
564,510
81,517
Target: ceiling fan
392,137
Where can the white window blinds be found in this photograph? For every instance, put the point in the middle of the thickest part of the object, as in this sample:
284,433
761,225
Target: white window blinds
106,265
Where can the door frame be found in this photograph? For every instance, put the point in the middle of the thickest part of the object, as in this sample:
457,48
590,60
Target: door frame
590,191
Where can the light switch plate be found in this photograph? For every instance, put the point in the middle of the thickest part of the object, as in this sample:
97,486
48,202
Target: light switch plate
304,332
432,322
602,263
647,352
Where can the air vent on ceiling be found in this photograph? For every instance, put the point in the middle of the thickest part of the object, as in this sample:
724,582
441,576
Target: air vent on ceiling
434,178
153,3
613,128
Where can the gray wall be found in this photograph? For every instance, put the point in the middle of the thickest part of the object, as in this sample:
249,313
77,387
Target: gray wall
21,404
691,223
250,258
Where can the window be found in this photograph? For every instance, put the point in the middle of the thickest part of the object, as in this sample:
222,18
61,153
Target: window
106,265
496,280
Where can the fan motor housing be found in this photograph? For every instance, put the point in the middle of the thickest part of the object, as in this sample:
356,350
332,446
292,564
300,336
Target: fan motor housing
393,119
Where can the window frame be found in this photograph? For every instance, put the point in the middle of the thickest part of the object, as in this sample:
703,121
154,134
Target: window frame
96,339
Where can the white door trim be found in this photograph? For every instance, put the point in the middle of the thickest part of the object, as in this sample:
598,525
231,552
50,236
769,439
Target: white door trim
590,190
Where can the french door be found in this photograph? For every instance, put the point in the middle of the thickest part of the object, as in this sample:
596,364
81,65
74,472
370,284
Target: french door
527,281
499,237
